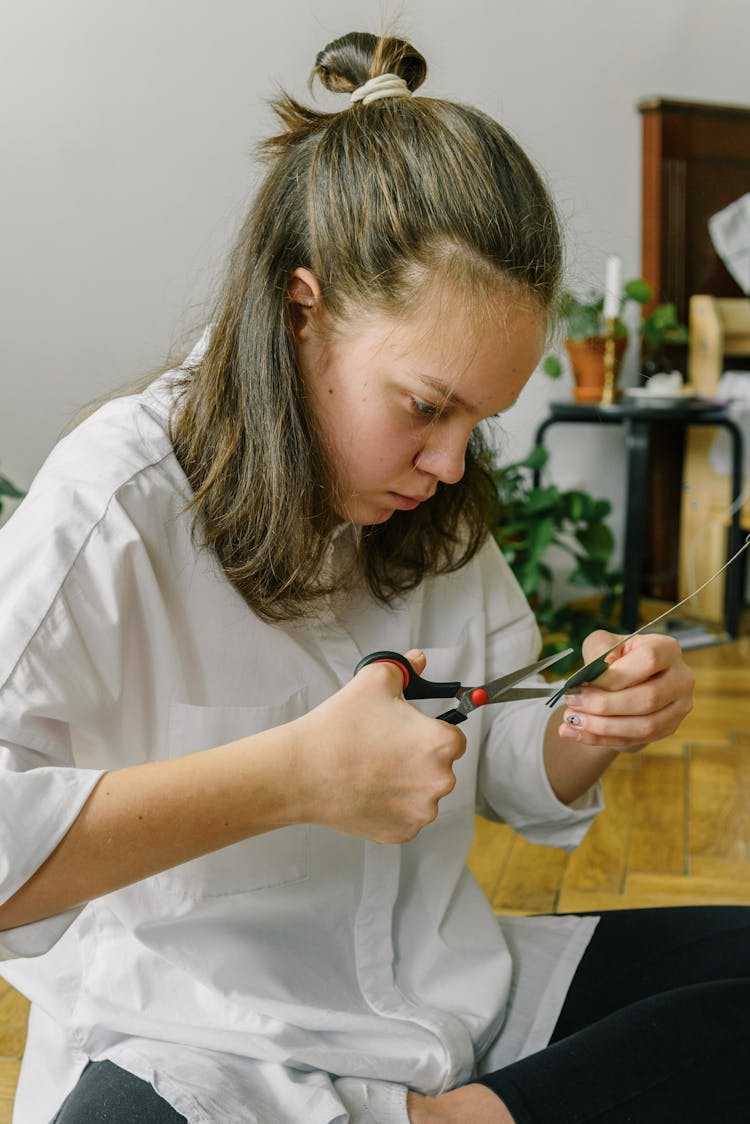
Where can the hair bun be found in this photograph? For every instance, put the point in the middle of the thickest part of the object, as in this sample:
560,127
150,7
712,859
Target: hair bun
347,63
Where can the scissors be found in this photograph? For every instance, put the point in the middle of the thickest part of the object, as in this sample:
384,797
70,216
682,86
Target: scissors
469,698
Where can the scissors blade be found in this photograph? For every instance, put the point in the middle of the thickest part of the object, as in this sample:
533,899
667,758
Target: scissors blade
518,694
497,687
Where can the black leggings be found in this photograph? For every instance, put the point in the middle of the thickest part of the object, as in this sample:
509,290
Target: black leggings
655,1029
106,1093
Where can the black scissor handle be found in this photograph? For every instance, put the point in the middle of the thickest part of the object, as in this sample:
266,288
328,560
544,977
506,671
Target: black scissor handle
453,717
415,687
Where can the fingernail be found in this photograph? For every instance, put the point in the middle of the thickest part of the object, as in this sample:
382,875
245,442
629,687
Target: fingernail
574,720
573,700
569,733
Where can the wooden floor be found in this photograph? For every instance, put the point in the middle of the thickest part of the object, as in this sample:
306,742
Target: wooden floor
676,830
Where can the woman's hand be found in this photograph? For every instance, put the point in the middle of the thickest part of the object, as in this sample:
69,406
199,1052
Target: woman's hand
369,763
642,697
471,1104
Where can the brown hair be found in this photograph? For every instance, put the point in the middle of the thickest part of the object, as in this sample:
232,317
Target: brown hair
367,199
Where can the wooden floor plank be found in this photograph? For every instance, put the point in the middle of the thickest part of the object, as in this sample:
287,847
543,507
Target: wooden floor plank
718,805
741,745
600,862
688,889
670,747
14,1010
531,878
580,901
707,721
658,835
721,869
8,1081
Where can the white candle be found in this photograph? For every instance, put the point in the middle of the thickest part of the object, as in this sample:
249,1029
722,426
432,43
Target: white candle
612,287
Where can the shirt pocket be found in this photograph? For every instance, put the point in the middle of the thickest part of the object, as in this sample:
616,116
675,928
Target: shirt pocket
275,858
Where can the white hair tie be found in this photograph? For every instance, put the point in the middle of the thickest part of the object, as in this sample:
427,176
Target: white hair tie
382,86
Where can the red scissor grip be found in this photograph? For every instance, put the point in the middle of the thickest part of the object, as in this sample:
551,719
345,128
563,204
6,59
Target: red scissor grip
396,659
402,668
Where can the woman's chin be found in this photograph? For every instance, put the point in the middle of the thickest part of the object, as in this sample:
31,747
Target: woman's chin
367,515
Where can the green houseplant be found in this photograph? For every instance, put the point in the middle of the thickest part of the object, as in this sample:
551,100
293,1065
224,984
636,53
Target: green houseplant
660,331
8,491
583,322
527,523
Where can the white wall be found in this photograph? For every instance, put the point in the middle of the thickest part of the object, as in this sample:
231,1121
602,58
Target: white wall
126,133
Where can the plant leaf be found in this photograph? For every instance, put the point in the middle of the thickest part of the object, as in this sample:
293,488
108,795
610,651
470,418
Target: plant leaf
540,537
597,540
9,489
542,500
537,458
638,290
552,366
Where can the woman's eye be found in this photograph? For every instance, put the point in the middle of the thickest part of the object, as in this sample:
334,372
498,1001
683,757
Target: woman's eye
425,409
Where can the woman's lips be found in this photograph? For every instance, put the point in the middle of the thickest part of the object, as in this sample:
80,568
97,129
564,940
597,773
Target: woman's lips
407,503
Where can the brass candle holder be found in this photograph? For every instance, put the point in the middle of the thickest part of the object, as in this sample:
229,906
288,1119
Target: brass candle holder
609,391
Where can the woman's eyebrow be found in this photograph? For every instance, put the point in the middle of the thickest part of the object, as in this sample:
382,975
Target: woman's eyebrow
446,392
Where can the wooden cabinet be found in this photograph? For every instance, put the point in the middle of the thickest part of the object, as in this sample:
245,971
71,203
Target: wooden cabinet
696,160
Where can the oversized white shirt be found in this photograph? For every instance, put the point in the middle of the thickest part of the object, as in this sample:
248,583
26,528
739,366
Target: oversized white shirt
302,975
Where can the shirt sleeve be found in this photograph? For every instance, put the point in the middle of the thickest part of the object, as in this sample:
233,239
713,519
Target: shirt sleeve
513,785
42,787
59,674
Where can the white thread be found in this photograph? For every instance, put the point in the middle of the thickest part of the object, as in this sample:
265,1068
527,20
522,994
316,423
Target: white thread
650,624
381,86
690,596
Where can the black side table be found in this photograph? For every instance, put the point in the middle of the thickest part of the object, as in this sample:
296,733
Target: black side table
638,418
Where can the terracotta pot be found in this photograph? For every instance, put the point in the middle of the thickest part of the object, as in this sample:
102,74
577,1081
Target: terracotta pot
587,360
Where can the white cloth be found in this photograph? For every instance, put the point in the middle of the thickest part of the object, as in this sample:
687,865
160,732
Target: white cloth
241,984
729,230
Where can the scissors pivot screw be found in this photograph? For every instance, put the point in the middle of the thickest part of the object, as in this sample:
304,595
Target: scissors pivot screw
479,696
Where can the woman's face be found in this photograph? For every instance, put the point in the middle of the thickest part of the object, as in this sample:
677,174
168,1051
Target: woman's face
395,400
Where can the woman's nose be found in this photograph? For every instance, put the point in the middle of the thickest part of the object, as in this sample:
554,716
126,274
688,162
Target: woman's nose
444,459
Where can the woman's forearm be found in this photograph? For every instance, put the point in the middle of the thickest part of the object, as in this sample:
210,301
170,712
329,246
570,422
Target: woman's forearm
147,818
364,762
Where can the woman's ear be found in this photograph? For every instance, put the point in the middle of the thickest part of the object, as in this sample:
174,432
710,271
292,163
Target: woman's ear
305,301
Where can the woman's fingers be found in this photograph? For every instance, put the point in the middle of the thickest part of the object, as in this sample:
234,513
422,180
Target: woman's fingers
622,730
635,660
643,696
417,659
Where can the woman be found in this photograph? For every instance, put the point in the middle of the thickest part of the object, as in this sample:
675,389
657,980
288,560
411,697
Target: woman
196,792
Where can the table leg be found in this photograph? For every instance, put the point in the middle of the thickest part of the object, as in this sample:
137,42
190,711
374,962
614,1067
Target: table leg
539,440
636,445
734,576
